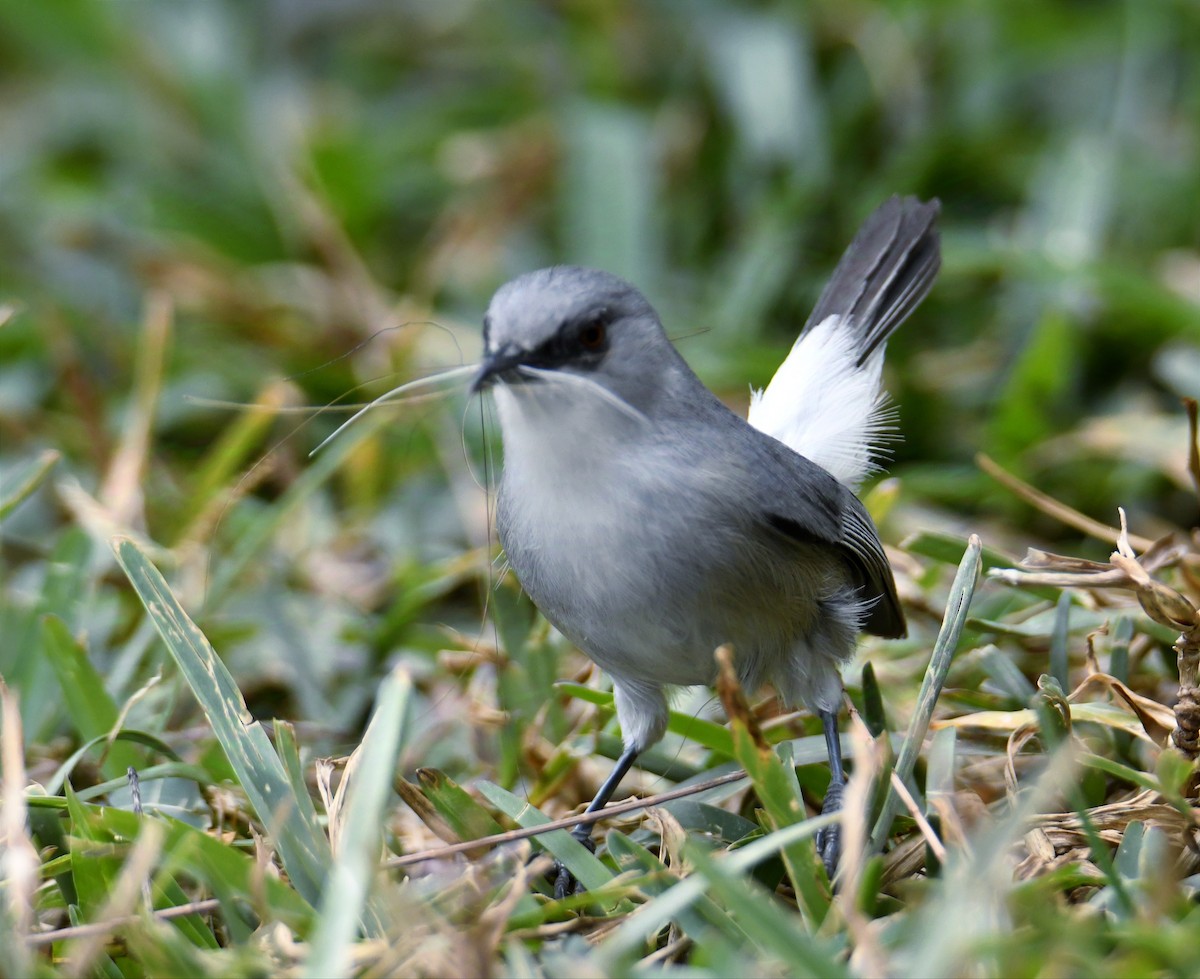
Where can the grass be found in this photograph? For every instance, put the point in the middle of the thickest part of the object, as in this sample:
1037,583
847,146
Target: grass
347,730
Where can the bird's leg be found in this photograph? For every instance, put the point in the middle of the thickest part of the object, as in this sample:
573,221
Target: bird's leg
829,839
564,881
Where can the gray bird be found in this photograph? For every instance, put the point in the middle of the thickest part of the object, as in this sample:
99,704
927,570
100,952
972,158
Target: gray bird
650,524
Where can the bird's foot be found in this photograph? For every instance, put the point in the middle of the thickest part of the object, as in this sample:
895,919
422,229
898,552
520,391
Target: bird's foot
564,881
829,839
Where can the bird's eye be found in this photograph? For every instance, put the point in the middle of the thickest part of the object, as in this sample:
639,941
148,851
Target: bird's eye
592,336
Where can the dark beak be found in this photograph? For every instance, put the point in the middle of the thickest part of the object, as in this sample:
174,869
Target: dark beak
496,365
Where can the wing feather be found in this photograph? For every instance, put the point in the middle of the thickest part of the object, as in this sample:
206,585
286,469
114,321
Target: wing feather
817,509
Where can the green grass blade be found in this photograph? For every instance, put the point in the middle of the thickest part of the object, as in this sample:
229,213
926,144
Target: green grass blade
27,482
289,753
370,772
466,817
957,605
230,872
127,736
939,778
725,826
873,714
301,844
629,937
714,737
1006,674
779,794
767,925
584,864
94,868
92,711
1122,634
1059,639
67,576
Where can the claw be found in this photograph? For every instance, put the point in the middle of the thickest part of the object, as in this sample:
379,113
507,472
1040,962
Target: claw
564,881
829,839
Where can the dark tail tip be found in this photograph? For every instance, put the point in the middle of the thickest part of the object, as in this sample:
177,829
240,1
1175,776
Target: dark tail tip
885,273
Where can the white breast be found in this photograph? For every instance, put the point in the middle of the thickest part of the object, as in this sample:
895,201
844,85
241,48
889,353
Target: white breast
588,535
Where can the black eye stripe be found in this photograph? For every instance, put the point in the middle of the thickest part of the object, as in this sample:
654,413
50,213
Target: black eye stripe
567,344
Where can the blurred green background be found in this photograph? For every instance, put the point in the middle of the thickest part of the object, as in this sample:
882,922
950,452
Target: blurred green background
205,201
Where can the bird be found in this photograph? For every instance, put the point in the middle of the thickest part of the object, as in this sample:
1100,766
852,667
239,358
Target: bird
651,524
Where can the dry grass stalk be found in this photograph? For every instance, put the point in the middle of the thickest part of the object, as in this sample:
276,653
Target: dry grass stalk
1162,603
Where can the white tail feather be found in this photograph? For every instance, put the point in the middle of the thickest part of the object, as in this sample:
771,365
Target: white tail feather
824,406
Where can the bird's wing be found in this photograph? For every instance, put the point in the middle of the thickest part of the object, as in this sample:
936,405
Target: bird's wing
862,546
824,402
808,506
